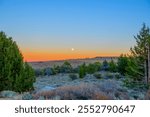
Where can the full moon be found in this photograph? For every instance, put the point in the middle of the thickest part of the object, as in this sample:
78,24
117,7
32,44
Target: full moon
72,49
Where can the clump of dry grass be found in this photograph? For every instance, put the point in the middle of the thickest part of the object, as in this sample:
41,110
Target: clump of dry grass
78,92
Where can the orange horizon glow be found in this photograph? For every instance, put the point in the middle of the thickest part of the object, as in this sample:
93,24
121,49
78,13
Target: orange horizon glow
45,56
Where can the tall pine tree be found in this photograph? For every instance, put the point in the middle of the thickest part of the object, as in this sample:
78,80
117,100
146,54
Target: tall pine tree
140,56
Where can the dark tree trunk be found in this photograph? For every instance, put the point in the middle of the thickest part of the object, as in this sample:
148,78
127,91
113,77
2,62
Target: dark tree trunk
145,72
148,64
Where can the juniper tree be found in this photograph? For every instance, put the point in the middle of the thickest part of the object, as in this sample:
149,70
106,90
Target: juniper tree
66,67
14,73
112,66
82,70
122,63
105,65
91,68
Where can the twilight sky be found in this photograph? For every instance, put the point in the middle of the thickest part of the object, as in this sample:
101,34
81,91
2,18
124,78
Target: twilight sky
62,29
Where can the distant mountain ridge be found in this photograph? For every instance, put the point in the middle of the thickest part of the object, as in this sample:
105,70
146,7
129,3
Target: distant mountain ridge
97,57
74,62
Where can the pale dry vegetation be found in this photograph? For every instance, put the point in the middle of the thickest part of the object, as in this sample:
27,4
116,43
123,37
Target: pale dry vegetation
78,92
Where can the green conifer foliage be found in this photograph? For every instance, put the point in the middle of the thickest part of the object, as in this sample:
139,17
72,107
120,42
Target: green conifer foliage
139,55
82,70
112,66
15,75
122,64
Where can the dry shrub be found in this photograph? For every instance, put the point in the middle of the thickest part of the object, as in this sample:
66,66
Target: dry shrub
45,94
73,76
100,96
109,86
78,92
81,92
121,95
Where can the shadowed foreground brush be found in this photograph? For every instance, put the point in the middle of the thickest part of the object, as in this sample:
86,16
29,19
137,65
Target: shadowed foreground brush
80,92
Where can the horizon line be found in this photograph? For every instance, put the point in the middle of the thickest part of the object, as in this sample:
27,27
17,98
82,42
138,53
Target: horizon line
73,59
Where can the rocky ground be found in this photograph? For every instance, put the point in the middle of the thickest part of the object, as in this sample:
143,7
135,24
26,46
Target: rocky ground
56,86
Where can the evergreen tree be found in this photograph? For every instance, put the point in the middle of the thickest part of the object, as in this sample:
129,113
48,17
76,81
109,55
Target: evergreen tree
133,70
93,67
90,69
122,63
97,66
112,66
56,69
105,65
66,67
82,70
14,73
141,54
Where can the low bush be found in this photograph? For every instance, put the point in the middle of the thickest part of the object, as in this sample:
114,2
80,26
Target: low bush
93,67
73,76
37,72
97,75
56,69
112,66
109,75
44,95
48,71
82,70
66,67
7,94
80,92
130,83
109,86
27,96
105,66
75,70
117,75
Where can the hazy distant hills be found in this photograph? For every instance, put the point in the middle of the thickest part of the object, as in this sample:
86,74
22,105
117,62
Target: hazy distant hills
74,62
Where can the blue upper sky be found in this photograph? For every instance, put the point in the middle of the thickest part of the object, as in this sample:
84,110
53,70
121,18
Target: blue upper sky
86,25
